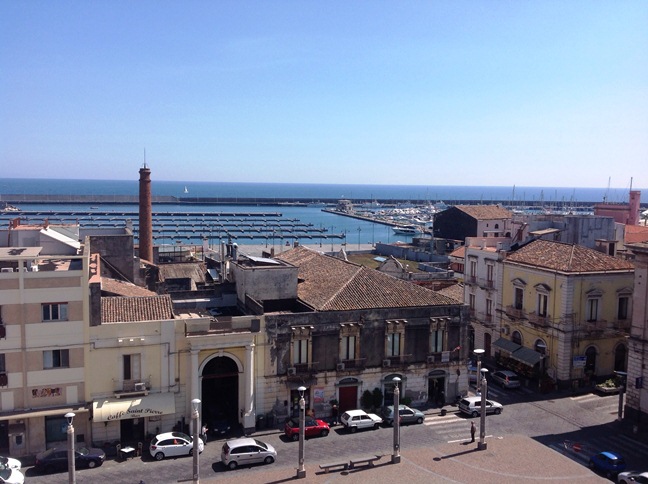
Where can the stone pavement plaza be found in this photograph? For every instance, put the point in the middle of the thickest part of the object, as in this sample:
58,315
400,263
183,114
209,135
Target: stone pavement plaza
510,459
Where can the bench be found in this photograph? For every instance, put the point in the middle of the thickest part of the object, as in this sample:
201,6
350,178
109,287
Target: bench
367,460
334,465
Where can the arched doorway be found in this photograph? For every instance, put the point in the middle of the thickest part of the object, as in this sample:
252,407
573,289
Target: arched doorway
220,392
348,393
436,387
487,344
620,358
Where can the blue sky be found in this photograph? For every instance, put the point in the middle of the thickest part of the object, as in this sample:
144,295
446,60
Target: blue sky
502,93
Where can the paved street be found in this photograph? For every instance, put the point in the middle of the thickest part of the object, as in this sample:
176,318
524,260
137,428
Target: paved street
551,423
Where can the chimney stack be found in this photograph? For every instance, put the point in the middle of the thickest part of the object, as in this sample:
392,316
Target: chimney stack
145,215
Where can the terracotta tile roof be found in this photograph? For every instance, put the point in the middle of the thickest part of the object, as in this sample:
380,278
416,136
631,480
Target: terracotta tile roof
114,287
456,291
635,233
196,271
459,252
131,309
330,284
563,257
485,212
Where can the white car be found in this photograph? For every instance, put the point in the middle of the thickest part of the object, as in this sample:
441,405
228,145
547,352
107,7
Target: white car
9,462
359,419
472,406
630,477
173,444
9,475
244,451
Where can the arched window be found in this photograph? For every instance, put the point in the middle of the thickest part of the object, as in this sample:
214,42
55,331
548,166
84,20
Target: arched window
590,360
516,337
540,346
620,358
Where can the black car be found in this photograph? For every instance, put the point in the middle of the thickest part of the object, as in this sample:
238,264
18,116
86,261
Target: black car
57,459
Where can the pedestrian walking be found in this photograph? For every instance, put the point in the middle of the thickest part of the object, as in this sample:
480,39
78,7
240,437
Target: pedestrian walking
472,431
204,433
334,415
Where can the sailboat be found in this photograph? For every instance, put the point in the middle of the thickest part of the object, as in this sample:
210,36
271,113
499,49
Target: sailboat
186,190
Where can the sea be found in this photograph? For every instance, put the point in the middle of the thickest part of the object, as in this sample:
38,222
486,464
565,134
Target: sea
331,226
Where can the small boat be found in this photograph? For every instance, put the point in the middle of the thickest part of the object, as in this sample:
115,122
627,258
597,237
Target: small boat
186,190
407,230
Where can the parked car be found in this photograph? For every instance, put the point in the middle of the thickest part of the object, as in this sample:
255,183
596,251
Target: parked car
220,426
506,378
9,462
472,406
359,419
57,458
10,475
312,428
173,444
244,451
632,477
608,463
407,415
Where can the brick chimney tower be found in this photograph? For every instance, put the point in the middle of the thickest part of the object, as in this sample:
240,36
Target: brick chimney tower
145,215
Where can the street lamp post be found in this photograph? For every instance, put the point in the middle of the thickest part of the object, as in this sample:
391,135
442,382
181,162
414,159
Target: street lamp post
479,352
71,454
301,471
482,415
396,458
622,375
196,439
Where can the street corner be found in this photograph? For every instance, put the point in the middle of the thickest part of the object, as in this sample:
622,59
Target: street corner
505,459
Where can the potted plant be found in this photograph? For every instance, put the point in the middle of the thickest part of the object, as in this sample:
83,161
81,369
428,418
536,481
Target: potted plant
611,385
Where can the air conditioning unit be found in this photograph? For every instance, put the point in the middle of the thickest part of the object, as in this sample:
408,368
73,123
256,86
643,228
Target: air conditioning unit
292,371
140,387
386,362
340,367
505,330
430,359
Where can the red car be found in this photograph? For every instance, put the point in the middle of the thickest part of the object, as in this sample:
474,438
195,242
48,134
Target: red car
312,428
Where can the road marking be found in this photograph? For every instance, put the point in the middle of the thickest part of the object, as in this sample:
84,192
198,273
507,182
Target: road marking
464,440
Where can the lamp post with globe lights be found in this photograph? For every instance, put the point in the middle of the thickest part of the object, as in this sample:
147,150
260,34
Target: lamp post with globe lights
196,440
71,453
396,458
478,352
301,471
482,414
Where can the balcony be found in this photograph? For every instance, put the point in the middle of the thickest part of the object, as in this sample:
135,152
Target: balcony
299,371
442,357
598,325
357,364
133,387
396,361
539,320
515,313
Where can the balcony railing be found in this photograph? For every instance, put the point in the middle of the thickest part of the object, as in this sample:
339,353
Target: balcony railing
538,319
354,364
517,313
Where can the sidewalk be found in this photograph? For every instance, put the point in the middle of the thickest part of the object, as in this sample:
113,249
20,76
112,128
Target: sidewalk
512,459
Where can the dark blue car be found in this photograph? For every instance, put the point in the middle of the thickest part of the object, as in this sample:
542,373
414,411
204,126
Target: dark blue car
607,463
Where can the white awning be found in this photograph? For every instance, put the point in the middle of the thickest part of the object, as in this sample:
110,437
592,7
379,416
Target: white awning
126,408
43,413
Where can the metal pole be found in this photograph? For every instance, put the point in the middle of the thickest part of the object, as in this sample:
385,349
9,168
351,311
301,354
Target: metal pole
196,441
71,453
396,458
622,375
482,415
301,471
479,353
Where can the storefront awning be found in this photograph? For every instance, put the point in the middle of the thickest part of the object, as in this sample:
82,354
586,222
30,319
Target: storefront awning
126,408
507,345
526,356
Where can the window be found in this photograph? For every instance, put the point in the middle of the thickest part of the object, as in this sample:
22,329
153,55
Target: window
516,337
519,298
393,344
300,351
473,268
56,430
132,367
56,359
471,301
592,309
489,307
622,309
55,312
542,305
489,274
3,368
436,341
348,347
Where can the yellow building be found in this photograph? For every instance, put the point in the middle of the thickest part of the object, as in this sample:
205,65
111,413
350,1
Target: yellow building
565,312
